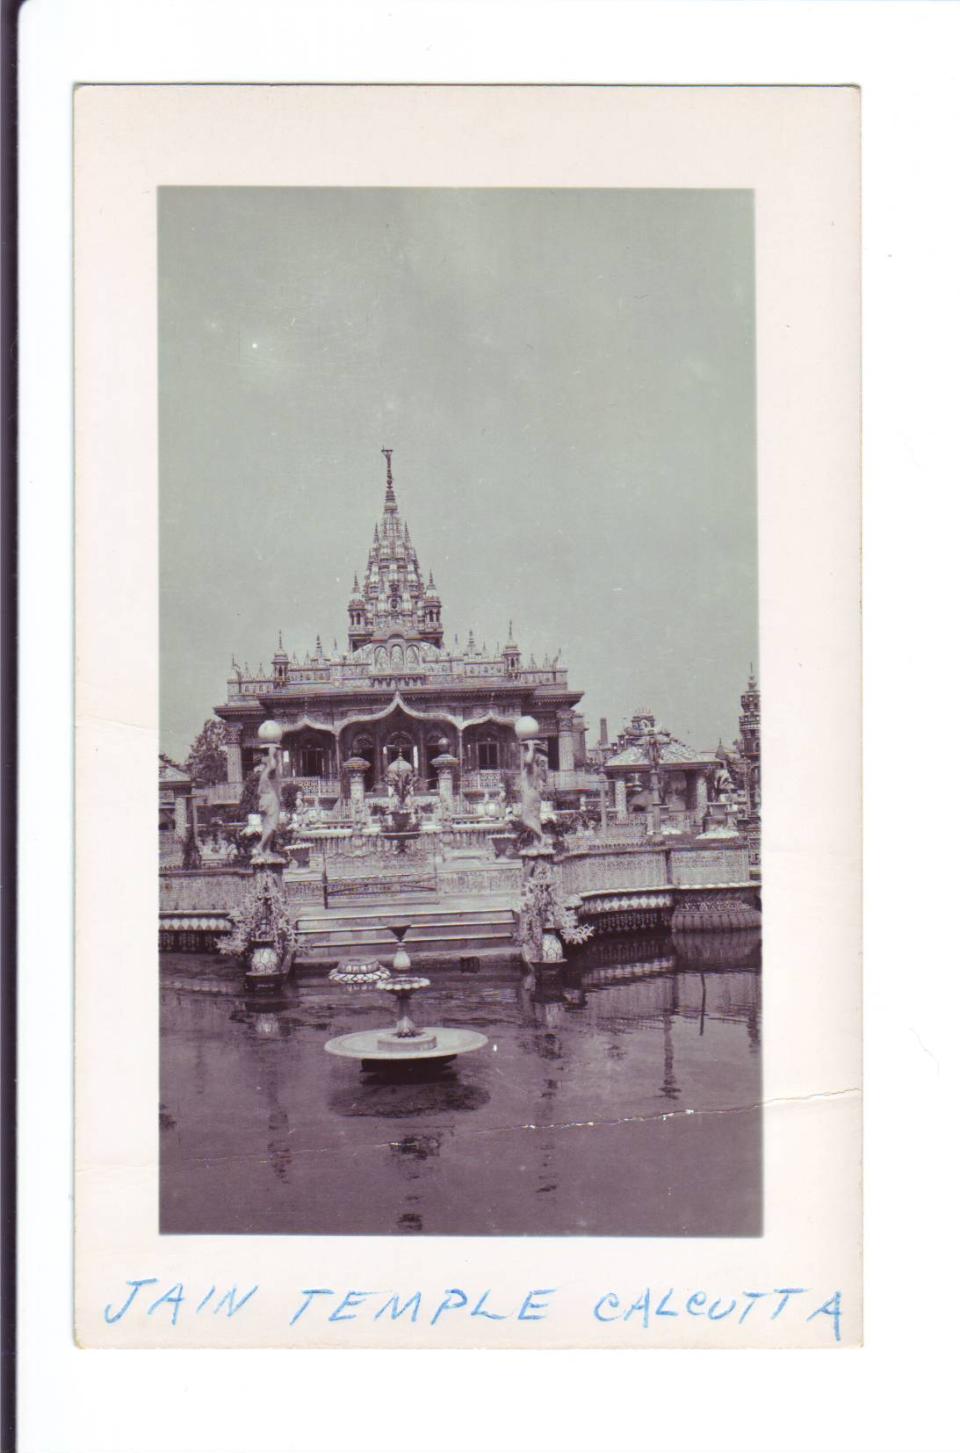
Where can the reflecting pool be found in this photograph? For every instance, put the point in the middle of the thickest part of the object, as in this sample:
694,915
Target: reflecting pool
620,1097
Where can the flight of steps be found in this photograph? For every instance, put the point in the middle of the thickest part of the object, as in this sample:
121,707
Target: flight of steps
439,929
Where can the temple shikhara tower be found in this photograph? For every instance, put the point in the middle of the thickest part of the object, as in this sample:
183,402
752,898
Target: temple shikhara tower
401,690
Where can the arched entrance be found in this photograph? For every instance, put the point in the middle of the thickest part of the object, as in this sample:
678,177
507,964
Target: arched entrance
313,753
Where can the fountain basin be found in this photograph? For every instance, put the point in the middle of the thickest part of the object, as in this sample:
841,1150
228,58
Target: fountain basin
386,1046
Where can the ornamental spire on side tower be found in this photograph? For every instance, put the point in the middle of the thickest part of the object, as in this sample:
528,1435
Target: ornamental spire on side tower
389,499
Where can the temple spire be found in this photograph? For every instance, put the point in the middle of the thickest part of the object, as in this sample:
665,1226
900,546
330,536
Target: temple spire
390,499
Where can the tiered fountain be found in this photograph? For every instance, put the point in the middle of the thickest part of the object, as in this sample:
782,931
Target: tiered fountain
403,1045
403,822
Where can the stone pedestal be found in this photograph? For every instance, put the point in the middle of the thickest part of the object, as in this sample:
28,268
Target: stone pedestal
357,768
445,764
269,951
539,941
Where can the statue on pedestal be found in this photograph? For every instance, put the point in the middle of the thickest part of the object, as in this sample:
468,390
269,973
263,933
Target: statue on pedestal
268,799
533,779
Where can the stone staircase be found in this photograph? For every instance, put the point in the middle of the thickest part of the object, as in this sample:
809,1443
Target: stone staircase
439,929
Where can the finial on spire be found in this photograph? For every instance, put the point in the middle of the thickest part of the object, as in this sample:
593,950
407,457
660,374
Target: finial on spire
390,499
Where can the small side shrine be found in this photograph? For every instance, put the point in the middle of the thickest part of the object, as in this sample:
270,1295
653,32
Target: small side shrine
655,776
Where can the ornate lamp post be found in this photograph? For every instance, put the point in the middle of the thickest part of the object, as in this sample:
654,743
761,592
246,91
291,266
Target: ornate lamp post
539,943
263,934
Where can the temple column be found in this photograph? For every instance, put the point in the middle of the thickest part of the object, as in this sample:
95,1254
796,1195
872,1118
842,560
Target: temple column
231,742
565,743
620,798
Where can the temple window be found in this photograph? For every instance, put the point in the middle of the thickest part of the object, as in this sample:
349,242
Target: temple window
488,754
314,762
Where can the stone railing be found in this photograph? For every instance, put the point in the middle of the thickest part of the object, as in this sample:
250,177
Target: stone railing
316,786
636,828
464,836
695,867
396,675
614,870
615,834
593,867
487,780
195,891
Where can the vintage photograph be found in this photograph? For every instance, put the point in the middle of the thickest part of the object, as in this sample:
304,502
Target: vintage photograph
460,727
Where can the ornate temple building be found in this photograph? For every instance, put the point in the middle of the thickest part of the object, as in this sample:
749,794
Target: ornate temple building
399,690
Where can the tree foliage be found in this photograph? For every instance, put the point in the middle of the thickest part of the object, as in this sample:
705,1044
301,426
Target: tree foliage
250,797
207,762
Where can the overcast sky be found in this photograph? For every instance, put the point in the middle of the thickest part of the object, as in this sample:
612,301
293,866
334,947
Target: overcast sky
566,379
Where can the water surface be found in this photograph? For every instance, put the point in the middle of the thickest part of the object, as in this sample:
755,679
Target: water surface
622,1099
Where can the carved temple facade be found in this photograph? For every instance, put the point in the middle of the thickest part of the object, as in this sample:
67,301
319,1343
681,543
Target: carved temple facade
399,690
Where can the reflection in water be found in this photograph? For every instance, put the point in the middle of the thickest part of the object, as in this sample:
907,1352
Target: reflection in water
395,1100
669,1088
420,1146
559,1127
